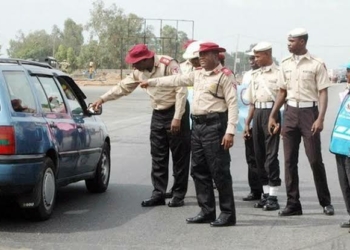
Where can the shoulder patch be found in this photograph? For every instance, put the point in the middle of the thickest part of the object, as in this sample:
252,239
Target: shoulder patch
226,71
165,60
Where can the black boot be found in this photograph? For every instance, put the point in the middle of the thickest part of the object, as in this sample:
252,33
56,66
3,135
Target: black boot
271,204
262,202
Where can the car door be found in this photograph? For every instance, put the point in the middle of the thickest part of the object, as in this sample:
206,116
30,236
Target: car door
62,126
89,130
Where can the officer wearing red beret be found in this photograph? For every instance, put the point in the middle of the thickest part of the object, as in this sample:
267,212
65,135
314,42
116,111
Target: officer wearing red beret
214,119
170,129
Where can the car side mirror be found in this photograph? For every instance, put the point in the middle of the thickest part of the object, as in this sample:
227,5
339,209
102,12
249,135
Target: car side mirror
91,111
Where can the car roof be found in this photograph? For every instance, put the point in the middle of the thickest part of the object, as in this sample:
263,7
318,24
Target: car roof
39,68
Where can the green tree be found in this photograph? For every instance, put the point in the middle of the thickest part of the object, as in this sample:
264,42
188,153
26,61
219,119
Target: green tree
89,53
61,53
56,37
72,36
35,45
171,41
114,32
71,59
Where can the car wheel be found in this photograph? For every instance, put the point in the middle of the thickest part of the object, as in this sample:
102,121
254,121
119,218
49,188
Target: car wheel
99,183
46,193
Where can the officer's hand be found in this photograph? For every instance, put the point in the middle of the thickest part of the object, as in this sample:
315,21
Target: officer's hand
227,141
317,127
96,105
143,84
246,134
175,126
272,125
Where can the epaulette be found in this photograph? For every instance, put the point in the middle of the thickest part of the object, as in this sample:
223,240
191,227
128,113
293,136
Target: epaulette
254,71
226,71
317,59
198,68
165,60
285,59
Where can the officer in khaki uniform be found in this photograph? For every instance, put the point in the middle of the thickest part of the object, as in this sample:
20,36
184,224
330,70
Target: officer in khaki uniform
169,126
256,189
303,86
261,95
214,117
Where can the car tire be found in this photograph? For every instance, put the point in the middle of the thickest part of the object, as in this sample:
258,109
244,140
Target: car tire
46,193
99,183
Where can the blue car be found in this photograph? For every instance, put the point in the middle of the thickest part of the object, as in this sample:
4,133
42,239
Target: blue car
48,137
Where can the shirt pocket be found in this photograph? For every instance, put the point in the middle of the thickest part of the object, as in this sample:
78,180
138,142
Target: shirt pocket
308,77
273,84
214,88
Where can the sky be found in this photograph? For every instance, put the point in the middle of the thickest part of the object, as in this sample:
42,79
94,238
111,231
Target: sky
233,24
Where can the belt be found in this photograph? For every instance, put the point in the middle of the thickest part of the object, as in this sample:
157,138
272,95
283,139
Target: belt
302,104
263,105
161,111
201,119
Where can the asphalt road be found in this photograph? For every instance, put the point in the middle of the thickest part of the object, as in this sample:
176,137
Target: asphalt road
116,220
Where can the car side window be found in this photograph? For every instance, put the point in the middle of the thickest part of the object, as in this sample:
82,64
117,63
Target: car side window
53,94
42,97
21,95
71,97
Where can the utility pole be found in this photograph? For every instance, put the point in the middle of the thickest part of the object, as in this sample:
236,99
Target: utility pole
235,63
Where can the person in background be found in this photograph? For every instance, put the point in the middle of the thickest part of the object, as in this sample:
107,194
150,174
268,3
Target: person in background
187,66
170,129
191,55
214,118
342,160
303,84
253,177
261,95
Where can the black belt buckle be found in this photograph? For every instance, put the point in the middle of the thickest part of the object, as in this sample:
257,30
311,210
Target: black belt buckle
199,119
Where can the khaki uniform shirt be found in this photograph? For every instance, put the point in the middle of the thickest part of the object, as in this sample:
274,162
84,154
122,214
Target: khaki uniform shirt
186,67
264,85
161,98
247,77
204,86
303,78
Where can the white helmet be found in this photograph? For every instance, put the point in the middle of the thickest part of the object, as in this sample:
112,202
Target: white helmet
192,50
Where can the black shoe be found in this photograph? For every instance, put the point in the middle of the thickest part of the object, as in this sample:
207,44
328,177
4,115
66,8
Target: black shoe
200,218
168,195
224,220
328,210
252,197
153,201
271,204
345,224
288,211
262,202
176,202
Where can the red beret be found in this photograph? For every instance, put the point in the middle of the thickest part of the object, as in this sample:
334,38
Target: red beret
138,53
210,47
